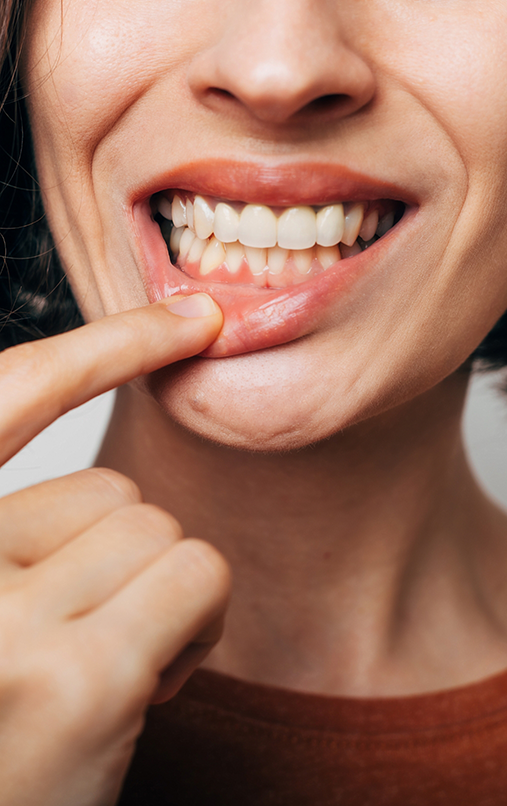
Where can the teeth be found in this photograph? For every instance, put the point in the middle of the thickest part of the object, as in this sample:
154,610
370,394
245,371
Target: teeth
226,225
234,255
330,225
353,223
165,207
186,242
297,228
257,226
328,256
303,260
257,259
178,212
251,237
213,256
175,239
203,218
277,258
385,224
196,250
190,214
369,226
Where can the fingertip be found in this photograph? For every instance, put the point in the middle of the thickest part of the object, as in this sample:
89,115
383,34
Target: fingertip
195,306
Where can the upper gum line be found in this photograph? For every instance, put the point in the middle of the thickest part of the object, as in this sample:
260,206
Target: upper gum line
260,226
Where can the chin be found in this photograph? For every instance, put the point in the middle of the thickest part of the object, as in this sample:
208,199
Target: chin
269,401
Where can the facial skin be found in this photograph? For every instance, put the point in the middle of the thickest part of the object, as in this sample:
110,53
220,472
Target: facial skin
120,97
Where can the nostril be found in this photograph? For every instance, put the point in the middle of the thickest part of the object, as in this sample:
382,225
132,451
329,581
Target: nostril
328,103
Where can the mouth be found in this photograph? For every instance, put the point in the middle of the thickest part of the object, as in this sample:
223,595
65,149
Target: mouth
277,264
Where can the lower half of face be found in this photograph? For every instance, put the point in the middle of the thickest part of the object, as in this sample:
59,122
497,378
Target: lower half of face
356,251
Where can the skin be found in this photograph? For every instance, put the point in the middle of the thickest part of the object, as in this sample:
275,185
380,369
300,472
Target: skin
367,562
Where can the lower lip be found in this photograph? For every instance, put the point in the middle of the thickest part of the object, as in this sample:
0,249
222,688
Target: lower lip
254,318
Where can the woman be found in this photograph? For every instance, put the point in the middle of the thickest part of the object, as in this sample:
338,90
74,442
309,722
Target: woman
333,176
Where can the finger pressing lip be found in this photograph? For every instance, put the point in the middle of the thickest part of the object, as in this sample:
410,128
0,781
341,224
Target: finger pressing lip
39,381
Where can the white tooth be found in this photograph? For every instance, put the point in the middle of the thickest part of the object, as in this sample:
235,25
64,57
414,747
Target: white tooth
165,208
203,218
330,225
196,250
226,224
369,226
190,215
328,256
179,212
175,239
353,222
303,260
212,257
385,224
186,242
257,226
257,259
234,254
350,251
297,228
277,258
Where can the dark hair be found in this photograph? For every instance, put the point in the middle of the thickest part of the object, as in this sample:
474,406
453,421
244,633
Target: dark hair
35,297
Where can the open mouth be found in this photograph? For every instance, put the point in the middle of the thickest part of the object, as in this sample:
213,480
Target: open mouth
265,246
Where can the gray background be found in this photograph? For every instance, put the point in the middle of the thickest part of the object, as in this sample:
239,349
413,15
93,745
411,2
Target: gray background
72,441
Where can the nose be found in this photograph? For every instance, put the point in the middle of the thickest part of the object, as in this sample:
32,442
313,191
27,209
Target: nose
278,59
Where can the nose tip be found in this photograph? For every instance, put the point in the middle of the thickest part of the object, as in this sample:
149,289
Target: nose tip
283,61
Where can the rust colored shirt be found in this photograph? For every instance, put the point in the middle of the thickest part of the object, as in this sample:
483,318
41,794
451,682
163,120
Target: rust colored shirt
225,742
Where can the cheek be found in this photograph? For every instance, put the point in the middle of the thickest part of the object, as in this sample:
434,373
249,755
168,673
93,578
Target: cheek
452,57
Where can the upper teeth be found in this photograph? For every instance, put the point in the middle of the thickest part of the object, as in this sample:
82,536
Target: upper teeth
256,225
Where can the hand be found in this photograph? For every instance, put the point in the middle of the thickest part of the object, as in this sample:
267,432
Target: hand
103,606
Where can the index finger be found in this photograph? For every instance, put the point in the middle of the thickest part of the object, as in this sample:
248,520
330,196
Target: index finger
39,381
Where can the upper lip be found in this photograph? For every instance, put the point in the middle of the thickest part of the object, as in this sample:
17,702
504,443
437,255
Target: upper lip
275,183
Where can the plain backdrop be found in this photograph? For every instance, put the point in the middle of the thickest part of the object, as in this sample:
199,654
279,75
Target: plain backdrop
72,442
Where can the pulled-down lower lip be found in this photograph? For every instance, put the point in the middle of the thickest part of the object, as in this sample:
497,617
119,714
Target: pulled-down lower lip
256,316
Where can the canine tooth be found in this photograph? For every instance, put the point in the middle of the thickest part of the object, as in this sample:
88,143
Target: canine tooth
350,251
369,226
297,228
174,241
303,260
203,218
196,250
277,258
385,224
330,225
328,256
226,226
186,242
212,257
178,212
234,254
257,226
190,215
257,259
165,207
353,223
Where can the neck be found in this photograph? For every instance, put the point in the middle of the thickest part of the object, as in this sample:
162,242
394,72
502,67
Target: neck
365,565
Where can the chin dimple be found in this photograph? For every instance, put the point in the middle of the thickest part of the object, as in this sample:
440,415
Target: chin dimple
236,242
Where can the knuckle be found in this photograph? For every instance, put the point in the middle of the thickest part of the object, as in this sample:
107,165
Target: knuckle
154,521
204,562
116,484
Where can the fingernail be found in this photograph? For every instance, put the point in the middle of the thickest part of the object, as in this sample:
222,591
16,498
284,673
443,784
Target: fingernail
193,307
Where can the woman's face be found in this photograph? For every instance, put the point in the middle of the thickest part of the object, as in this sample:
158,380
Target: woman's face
387,106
